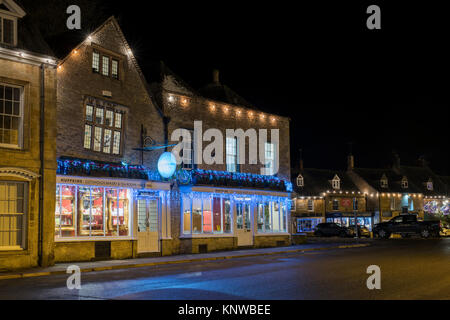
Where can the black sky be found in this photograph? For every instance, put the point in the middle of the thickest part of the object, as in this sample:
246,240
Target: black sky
383,90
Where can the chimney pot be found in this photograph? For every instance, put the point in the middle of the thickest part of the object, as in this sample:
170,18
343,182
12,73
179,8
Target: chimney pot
216,76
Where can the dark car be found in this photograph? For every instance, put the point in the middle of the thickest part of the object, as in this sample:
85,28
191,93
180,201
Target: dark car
362,231
407,225
330,229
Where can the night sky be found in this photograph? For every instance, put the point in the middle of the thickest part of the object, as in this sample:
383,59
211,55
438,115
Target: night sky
382,90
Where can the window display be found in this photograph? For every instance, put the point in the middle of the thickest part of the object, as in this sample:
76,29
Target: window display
209,215
83,211
272,217
307,225
65,209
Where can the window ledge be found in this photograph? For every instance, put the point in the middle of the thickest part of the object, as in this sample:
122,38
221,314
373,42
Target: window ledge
87,239
272,234
11,249
205,235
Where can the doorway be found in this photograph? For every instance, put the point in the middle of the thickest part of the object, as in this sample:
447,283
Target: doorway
148,223
244,224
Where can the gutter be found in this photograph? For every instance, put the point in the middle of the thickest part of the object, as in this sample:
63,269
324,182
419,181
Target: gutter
41,171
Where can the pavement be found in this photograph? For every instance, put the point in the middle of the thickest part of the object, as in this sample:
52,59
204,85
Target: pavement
96,266
410,269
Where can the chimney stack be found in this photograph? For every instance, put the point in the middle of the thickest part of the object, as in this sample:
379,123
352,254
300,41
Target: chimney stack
216,76
301,160
396,160
350,158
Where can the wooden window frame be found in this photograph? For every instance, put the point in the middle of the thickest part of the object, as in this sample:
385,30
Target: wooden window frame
103,127
111,57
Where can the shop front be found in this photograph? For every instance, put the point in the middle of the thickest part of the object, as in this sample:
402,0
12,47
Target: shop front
99,218
226,218
346,219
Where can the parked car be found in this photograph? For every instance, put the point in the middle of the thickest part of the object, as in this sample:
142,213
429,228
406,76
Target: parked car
362,231
445,230
406,225
330,229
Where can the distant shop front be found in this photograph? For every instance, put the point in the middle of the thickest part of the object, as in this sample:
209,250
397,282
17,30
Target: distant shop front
347,219
109,218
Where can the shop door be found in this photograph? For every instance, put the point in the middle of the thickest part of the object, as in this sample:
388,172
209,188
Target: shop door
148,235
243,224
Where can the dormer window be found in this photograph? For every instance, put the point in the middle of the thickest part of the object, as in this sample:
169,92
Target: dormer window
384,181
404,183
300,181
10,12
336,183
7,30
430,185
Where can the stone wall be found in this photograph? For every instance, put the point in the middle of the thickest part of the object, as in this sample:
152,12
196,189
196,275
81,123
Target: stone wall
28,157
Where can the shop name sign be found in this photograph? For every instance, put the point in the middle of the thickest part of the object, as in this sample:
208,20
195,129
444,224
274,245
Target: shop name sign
101,182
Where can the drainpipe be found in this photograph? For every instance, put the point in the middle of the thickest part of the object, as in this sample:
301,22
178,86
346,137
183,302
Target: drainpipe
41,155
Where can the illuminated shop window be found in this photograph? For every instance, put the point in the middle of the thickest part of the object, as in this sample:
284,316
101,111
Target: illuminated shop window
307,225
272,217
83,211
310,205
206,215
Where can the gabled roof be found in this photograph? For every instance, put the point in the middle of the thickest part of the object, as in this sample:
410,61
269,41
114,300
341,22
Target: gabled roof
318,181
373,178
419,176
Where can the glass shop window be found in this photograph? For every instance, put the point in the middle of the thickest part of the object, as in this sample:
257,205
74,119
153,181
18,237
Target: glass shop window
272,217
92,212
209,215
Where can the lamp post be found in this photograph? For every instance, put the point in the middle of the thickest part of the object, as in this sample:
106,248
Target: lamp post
355,211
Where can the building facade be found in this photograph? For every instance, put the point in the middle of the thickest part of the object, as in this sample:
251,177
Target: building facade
27,142
226,205
110,200
327,196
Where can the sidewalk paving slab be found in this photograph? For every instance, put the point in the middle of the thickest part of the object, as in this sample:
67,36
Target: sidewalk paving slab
94,266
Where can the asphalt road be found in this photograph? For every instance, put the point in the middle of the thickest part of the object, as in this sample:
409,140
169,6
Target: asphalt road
410,269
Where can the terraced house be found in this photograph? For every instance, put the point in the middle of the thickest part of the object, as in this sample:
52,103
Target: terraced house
27,141
327,196
228,205
111,199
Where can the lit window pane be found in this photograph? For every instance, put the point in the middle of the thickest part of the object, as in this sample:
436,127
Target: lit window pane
107,141
12,211
96,62
109,118
87,136
197,215
105,66
116,146
118,123
89,113
115,69
97,139
207,216
99,113
186,215
10,115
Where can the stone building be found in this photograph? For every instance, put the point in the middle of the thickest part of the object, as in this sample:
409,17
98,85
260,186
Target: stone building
326,196
110,201
27,141
390,192
224,205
